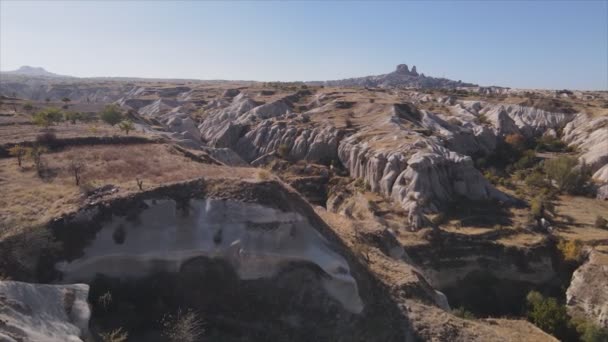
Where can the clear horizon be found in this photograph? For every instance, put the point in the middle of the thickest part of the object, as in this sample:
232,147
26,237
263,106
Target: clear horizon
542,44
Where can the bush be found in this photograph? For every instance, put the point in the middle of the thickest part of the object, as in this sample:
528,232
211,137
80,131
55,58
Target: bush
111,115
548,314
571,250
551,144
601,222
283,151
73,117
116,335
28,106
537,180
19,152
439,219
567,176
46,138
36,153
185,326
126,126
463,313
516,141
48,117
527,160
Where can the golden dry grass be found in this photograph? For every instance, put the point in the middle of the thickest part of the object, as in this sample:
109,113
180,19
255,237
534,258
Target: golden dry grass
29,200
576,218
22,133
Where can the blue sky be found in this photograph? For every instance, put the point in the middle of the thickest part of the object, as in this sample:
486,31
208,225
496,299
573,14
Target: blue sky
535,44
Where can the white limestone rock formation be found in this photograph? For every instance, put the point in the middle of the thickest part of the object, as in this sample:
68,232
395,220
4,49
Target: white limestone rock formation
414,170
316,144
590,136
256,240
43,313
587,294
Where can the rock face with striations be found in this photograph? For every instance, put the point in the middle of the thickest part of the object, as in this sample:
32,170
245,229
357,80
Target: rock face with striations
43,313
587,295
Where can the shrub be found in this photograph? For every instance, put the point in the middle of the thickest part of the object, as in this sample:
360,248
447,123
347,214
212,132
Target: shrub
28,106
463,313
571,250
76,167
111,115
116,335
36,153
18,152
601,222
126,126
264,174
283,151
551,144
73,117
567,176
47,137
48,117
482,119
536,179
185,326
516,141
548,314
439,219
527,160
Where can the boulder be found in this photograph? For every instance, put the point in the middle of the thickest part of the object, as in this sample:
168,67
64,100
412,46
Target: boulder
43,313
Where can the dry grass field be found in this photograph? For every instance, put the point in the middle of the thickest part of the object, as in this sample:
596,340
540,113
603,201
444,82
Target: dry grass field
30,200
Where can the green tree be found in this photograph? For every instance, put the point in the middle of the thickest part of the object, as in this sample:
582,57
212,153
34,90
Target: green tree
73,117
126,125
111,115
565,173
548,314
48,117
28,106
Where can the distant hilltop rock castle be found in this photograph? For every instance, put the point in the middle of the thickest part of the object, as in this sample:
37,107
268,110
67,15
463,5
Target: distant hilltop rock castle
402,77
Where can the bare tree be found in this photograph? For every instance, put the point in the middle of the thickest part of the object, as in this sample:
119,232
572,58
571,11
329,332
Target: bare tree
76,168
140,183
185,326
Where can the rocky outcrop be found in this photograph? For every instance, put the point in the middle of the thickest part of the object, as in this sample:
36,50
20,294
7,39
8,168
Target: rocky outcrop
590,136
256,240
43,313
315,144
413,169
401,77
587,295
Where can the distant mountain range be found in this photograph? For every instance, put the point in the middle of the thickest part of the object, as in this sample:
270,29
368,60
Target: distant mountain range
31,71
402,77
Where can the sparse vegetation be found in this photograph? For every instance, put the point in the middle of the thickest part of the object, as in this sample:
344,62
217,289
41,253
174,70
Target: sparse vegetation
601,222
111,115
76,167
571,250
184,326
549,315
116,335
36,153
463,313
264,174
19,152
48,117
126,126
283,151
72,117
566,175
